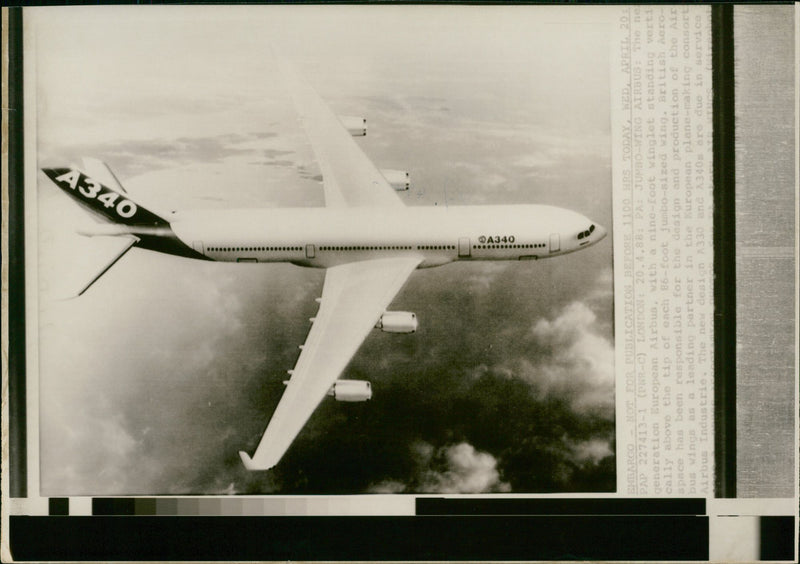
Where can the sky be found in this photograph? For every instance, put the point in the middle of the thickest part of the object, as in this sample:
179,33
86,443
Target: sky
152,381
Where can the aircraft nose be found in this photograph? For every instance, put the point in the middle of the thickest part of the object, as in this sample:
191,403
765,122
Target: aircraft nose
601,232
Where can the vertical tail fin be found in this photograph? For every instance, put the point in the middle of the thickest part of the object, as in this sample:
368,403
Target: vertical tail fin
122,219
125,223
101,172
108,204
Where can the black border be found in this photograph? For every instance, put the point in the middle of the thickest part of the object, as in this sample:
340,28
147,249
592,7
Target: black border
560,506
777,538
724,154
521,538
17,412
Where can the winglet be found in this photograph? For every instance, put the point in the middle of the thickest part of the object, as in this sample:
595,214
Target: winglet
247,461
251,464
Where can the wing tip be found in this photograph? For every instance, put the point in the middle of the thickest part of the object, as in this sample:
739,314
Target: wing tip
250,464
246,460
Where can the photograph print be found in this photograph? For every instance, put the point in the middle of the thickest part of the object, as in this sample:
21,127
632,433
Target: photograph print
323,250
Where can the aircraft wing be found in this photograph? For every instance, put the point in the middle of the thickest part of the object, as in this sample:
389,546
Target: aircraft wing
354,297
348,176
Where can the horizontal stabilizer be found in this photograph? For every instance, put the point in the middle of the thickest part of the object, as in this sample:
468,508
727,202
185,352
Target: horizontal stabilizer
94,258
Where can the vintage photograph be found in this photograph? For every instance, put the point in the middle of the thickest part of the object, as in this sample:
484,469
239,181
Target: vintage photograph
339,250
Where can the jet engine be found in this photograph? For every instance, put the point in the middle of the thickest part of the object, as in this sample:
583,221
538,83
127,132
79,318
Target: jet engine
355,126
398,179
397,322
351,390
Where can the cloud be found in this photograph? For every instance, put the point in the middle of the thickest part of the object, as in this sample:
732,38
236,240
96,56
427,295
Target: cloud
592,451
483,275
603,288
452,469
107,469
467,471
489,179
388,487
123,390
577,362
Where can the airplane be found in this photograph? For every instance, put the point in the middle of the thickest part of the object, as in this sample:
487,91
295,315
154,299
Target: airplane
365,236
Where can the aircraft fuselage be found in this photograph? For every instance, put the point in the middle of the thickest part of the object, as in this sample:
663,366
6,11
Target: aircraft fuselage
325,237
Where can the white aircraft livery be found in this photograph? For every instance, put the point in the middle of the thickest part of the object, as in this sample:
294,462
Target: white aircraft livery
365,237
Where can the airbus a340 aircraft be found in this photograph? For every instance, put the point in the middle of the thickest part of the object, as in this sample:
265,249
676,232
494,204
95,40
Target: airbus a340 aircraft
365,237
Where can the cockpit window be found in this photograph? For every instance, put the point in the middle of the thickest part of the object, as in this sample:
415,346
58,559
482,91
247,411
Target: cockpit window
586,233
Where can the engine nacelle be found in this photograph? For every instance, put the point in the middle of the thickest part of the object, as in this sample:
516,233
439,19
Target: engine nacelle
355,126
397,322
398,179
351,390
